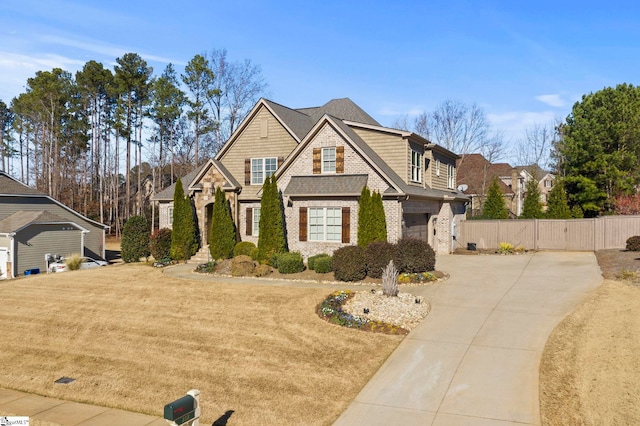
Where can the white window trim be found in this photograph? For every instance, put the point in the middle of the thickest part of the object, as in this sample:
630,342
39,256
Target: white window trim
333,148
451,177
170,215
263,168
416,167
324,225
437,167
255,223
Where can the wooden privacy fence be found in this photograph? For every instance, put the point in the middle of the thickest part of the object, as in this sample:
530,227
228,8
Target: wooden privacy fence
608,232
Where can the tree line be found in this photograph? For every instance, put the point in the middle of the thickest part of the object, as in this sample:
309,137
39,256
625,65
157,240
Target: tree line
66,134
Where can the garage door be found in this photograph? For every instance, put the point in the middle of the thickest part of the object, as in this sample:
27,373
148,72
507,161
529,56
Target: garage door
415,225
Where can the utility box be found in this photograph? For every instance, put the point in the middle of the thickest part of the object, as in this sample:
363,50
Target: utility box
184,410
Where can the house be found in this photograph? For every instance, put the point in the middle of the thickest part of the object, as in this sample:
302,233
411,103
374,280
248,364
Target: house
545,180
476,173
33,225
322,157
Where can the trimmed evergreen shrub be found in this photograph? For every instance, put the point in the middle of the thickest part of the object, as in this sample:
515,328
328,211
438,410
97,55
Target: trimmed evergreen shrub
364,217
271,238
135,239
532,207
222,237
243,247
349,263
414,255
160,244
633,243
184,238
377,256
254,253
378,218
311,261
290,263
324,264
494,207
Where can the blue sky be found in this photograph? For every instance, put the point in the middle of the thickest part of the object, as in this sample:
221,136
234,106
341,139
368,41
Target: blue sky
522,62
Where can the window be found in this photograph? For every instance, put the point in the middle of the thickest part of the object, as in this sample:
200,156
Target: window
329,160
256,221
451,179
547,183
262,168
416,166
170,216
325,224
437,167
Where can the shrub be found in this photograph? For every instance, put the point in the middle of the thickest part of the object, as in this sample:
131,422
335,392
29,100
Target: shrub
505,248
633,243
414,255
135,239
242,266
206,268
390,280
160,244
254,253
290,263
349,263
184,237
494,207
73,262
271,237
377,256
244,248
324,264
312,260
222,237
262,270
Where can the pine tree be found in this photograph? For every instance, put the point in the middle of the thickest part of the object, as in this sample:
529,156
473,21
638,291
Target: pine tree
532,208
222,238
378,219
364,217
271,239
494,207
558,207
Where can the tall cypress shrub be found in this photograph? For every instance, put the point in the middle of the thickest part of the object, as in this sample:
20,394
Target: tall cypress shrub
364,218
178,251
135,239
223,233
271,237
494,207
378,219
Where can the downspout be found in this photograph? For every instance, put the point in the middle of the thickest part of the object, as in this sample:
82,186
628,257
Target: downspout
13,251
82,233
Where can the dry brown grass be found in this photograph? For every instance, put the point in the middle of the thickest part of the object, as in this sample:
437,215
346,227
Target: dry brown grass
136,339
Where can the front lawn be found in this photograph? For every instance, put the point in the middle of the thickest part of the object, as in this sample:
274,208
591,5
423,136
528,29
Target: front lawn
136,339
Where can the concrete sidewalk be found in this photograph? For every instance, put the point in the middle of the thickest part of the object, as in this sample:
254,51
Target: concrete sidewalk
51,411
474,360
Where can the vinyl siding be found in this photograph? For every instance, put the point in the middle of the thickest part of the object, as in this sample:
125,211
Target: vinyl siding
435,181
418,148
33,242
93,241
250,144
391,148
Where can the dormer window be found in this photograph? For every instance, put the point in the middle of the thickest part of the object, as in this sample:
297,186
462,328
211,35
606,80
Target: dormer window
329,160
416,166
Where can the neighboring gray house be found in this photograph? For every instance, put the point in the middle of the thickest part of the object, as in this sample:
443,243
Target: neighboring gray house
33,224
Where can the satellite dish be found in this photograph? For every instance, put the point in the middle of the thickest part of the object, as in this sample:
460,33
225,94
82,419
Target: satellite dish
463,187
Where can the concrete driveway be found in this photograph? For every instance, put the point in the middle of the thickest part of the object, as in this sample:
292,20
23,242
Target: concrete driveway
475,359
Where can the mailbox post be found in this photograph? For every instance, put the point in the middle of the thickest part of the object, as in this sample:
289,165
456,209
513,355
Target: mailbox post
185,410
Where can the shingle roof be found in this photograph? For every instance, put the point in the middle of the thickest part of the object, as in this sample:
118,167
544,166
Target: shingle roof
167,193
22,218
478,173
344,109
299,122
11,186
323,185
536,171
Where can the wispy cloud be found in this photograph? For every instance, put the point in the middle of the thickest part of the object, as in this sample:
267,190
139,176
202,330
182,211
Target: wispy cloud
514,123
555,101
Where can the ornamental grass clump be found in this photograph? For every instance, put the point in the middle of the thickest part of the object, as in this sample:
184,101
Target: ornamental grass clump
505,248
73,262
390,280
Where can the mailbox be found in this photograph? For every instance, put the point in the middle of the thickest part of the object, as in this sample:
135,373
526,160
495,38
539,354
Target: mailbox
183,409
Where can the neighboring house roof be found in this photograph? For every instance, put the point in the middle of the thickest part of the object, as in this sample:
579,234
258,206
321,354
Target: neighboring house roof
534,170
22,219
187,180
11,187
324,185
478,173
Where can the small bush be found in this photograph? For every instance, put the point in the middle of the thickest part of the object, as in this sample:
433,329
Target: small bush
262,270
290,263
243,248
160,245
633,243
377,255
324,264
505,248
627,275
73,262
414,255
312,260
349,264
242,266
254,253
